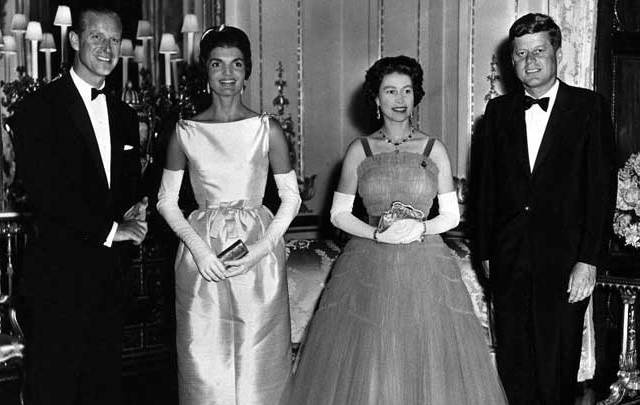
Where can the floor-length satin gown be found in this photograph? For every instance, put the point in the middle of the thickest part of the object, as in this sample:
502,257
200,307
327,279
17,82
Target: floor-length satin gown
395,324
233,336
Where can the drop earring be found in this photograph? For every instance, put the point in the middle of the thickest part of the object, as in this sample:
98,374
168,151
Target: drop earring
378,112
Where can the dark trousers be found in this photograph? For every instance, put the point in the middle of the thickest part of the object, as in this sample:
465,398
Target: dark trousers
74,333
538,345
73,358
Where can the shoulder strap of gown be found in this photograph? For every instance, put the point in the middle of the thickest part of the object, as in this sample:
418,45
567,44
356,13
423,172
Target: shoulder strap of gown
427,149
365,146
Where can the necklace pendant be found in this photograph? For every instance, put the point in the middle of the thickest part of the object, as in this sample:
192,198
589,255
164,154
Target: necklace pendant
397,150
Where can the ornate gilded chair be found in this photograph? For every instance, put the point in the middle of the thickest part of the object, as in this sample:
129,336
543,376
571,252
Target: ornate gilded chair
11,337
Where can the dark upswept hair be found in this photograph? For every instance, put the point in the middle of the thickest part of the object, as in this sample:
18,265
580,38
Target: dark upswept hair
532,23
81,22
393,64
226,36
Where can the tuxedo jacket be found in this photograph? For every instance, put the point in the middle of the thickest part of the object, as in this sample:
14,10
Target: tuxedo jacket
542,222
73,207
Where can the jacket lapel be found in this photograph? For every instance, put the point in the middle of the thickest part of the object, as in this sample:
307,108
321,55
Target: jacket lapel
117,143
552,131
519,131
80,118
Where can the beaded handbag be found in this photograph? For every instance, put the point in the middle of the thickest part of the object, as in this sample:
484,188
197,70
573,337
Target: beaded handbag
398,210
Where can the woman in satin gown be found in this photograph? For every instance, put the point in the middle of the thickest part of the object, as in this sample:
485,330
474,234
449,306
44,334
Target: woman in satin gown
232,318
395,324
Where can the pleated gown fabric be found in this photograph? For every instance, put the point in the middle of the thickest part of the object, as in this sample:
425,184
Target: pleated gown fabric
233,336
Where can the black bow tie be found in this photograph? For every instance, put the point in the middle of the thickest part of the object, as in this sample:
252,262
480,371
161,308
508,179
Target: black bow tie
96,92
542,102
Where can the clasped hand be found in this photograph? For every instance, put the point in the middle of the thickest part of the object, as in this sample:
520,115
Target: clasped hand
213,269
134,223
402,231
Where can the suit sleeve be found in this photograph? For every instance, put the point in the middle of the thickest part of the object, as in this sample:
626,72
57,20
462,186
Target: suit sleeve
39,166
484,184
600,184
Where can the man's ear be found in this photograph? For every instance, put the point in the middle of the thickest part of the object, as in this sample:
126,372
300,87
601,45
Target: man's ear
74,40
558,55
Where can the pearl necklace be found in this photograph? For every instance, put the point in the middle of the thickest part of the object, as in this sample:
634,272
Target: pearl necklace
400,142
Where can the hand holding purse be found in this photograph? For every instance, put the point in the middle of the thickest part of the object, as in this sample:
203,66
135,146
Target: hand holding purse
398,210
235,251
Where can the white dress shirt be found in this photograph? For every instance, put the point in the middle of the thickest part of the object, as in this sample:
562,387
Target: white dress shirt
536,120
99,116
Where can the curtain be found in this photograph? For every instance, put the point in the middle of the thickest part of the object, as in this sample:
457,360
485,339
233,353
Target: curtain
577,19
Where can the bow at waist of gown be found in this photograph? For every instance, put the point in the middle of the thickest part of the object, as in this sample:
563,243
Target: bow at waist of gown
224,219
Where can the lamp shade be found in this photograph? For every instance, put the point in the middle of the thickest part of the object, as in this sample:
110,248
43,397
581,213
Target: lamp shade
34,31
144,30
9,44
48,44
167,44
177,56
63,16
19,23
126,48
138,54
190,23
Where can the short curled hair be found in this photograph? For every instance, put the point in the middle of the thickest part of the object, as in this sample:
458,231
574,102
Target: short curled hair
532,23
83,17
393,64
225,36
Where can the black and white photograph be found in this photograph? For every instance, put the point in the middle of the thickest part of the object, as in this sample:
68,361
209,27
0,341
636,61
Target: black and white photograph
319,202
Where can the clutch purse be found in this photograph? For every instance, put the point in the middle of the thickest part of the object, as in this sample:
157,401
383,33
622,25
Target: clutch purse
398,210
236,251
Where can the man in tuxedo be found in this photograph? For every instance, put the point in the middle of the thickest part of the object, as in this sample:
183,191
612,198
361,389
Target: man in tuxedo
545,193
77,155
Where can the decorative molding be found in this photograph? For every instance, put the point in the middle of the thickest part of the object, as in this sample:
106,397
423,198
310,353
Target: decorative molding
260,56
472,42
418,31
380,29
300,76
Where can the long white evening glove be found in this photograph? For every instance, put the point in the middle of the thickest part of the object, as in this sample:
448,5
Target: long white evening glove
448,218
403,231
343,218
206,260
448,214
290,201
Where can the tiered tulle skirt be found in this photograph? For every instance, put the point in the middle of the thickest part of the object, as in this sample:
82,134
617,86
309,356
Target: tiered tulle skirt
395,325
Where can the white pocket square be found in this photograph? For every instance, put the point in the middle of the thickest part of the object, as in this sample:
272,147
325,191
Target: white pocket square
128,147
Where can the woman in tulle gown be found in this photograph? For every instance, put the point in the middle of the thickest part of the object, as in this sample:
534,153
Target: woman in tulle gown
395,324
232,318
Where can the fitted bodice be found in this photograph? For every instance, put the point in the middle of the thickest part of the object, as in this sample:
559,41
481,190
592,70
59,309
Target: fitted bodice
227,161
387,177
